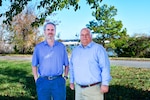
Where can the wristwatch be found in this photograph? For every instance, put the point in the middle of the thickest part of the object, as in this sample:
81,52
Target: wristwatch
66,77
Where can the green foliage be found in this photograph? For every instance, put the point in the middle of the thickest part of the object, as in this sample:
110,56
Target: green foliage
17,83
47,7
107,28
129,84
69,50
135,47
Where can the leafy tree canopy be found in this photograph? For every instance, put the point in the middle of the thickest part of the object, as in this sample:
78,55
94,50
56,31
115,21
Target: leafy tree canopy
107,28
48,6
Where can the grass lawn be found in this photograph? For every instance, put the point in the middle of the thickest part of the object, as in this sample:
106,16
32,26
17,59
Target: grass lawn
17,83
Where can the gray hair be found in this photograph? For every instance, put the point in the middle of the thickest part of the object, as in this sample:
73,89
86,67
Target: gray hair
49,23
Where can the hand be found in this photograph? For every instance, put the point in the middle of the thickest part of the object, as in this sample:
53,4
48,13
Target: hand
72,86
104,88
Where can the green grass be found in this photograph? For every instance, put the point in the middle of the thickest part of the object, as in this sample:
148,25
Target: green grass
17,83
129,84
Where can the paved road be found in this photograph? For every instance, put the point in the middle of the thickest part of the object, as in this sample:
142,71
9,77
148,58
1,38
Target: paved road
130,63
28,58
138,64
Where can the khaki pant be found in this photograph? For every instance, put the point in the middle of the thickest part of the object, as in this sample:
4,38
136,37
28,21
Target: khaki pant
88,93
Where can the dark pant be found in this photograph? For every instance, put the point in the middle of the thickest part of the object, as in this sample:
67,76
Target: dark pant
51,89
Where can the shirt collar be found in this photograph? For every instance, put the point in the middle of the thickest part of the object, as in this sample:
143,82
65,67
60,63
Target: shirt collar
55,42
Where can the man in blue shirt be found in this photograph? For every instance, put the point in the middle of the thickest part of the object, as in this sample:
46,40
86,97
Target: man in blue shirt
49,61
89,69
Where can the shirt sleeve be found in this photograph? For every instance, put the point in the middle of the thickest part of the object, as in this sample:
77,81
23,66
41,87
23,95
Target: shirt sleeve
71,73
66,62
104,63
35,60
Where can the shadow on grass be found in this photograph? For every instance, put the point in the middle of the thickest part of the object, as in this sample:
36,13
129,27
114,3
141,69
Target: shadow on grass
19,76
11,78
115,93
70,94
15,98
118,93
126,93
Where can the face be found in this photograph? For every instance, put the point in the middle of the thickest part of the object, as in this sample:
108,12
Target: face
50,31
85,36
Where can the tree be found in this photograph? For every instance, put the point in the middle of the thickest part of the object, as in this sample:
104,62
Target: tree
23,36
109,32
2,38
47,6
136,46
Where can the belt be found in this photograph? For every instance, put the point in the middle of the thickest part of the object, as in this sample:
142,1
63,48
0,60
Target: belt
84,86
51,77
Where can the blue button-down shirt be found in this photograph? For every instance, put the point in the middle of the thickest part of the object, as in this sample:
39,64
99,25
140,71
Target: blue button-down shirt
50,60
89,65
